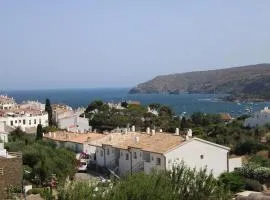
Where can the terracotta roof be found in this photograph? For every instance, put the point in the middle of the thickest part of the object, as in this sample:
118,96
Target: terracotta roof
159,142
226,116
74,137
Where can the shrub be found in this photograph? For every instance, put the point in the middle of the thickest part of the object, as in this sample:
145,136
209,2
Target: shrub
253,185
233,180
255,171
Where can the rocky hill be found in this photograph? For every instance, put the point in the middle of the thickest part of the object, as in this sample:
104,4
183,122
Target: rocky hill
243,83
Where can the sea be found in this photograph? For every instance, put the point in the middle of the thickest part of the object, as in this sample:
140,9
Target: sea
182,104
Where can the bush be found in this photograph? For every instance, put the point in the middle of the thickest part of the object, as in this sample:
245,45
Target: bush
233,180
255,171
181,183
253,185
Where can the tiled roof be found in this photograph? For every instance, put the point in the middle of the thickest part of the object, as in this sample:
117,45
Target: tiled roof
74,137
159,142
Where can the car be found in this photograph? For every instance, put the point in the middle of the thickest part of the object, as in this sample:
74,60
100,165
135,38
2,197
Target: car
83,166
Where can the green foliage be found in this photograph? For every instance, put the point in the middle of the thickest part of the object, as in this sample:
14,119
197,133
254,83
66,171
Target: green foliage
203,119
42,159
233,180
253,185
184,124
48,109
181,183
102,118
255,171
78,190
95,105
258,160
39,135
249,147
16,134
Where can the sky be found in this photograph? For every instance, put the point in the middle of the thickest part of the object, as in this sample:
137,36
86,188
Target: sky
120,43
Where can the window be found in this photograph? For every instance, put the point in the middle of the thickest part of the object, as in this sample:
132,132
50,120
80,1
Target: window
135,155
127,156
108,151
35,121
158,161
15,121
101,153
201,156
20,121
11,123
24,122
40,121
1,171
121,153
29,122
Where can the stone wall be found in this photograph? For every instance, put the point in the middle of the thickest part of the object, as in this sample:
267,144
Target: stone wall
12,174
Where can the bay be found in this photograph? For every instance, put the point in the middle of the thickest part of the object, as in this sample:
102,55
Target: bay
188,103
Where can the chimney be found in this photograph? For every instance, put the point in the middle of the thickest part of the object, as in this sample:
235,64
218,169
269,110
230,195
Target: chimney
50,134
88,139
153,132
148,130
189,133
54,136
137,139
110,137
67,136
177,131
160,130
125,130
133,128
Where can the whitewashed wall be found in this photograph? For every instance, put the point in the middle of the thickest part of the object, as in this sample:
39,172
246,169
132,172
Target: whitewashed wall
235,163
30,121
199,154
4,137
149,166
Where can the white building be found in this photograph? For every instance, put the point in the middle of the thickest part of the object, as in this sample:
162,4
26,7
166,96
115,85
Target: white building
133,152
3,133
34,105
77,142
67,118
258,118
6,102
27,119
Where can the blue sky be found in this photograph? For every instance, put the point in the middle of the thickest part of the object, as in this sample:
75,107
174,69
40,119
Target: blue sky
119,43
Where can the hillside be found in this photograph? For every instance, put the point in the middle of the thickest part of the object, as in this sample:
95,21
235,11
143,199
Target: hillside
243,83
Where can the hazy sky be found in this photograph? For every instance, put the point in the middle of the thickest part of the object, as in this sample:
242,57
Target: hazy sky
119,43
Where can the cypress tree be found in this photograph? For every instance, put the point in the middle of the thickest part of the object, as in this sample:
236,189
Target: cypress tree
183,123
39,135
48,109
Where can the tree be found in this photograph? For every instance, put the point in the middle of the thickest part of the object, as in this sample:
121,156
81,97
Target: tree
48,109
183,123
39,135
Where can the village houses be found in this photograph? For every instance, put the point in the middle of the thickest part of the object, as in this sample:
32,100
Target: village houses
258,118
130,151
26,115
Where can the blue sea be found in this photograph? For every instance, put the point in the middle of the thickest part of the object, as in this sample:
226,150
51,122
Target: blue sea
187,103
